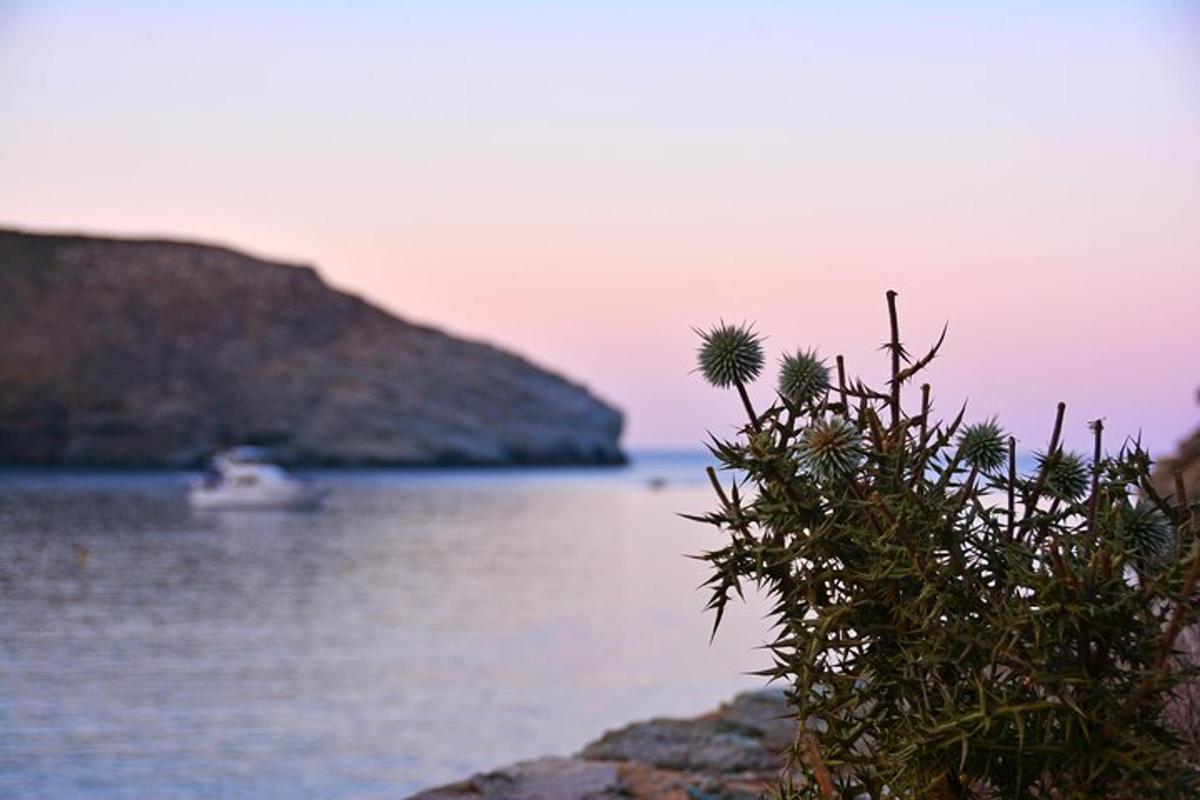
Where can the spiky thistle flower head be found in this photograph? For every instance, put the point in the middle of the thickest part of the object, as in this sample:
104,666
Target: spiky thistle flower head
983,445
730,354
1146,531
1066,474
803,377
830,448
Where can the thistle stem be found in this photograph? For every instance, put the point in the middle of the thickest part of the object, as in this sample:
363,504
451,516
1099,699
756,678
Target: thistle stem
895,348
1097,427
1189,582
741,387
841,368
720,490
1031,501
924,412
1167,644
816,763
1012,485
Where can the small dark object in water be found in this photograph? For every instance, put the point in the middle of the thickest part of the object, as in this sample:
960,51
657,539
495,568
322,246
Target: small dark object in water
657,483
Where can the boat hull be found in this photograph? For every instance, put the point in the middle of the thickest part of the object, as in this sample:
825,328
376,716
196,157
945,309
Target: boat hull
292,497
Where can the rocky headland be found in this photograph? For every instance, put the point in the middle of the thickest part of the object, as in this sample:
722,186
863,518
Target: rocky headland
733,753
156,353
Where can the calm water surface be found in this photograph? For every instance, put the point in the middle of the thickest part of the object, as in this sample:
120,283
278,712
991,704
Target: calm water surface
425,625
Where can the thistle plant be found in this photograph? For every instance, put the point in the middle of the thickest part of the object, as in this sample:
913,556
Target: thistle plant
803,377
829,448
1145,531
946,626
1066,474
731,355
983,446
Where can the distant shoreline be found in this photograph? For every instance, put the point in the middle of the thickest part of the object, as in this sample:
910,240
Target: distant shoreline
316,465
628,459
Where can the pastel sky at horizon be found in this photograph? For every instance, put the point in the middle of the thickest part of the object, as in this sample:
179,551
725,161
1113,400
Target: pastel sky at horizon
584,182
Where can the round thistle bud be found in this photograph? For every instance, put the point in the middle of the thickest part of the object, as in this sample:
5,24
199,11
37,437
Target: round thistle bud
1066,474
1146,531
830,449
983,446
730,354
803,377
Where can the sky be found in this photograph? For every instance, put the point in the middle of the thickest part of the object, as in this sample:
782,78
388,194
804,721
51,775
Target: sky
586,182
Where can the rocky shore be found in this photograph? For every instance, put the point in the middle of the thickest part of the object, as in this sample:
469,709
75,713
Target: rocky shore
733,753
121,352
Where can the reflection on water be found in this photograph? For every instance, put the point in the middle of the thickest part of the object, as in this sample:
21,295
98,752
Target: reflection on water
424,626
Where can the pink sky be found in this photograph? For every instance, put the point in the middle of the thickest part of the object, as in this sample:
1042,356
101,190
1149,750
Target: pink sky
584,182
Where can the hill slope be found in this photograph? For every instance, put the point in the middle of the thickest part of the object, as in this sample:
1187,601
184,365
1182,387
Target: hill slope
132,352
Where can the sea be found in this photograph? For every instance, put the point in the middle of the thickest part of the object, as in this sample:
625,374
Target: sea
424,626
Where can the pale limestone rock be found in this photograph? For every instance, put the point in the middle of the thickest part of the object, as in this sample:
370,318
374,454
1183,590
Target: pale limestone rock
734,753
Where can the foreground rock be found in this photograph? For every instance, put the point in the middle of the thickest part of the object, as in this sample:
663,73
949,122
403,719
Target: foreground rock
128,352
1185,461
733,753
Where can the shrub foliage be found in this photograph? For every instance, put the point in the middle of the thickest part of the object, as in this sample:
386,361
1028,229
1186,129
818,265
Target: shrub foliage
946,626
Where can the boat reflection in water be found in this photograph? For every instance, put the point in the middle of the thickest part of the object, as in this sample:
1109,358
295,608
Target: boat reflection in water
244,479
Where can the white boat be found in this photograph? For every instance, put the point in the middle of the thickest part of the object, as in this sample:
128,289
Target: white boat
243,478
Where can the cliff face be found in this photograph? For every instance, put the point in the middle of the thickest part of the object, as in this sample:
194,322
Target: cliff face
130,352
